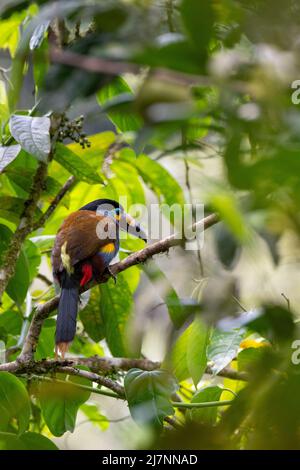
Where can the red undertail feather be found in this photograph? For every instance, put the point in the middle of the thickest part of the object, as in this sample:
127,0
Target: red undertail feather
87,271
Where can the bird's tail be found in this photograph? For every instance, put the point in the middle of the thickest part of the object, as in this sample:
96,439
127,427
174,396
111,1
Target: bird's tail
67,313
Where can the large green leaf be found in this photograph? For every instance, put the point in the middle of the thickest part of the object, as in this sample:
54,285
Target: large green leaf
199,334
205,415
33,134
124,121
188,355
14,402
76,165
99,144
129,176
148,395
60,403
223,348
178,357
116,305
27,441
19,283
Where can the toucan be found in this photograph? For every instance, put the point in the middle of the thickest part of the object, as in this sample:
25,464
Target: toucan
84,246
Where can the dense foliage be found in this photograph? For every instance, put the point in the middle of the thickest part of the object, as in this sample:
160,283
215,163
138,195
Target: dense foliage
180,101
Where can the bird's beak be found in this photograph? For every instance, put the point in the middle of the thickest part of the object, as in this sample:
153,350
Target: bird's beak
131,226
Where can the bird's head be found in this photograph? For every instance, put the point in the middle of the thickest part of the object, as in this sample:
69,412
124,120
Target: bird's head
111,208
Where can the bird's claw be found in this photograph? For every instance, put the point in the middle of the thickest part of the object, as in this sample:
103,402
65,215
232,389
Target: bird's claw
112,274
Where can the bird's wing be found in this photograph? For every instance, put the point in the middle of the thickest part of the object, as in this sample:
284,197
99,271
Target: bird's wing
81,236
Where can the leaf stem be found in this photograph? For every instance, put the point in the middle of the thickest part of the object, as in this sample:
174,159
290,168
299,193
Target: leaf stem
205,404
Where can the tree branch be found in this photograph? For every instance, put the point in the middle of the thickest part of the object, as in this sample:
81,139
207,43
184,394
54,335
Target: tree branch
114,67
105,365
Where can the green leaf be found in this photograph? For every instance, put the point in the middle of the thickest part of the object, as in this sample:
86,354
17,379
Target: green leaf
205,415
124,121
33,256
227,248
130,178
27,441
19,283
247,358
9,31
60,404
199,334
91,316
116,305
148,395
7,155
14,402
40,63
11,322
178,357
92,412
157,178
100,143
188,354
11,208
223,348
76,165
226,205
274,323
198,18
43,242
45,346
33,134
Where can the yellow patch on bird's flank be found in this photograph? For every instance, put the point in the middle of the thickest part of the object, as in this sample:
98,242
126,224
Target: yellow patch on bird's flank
108,248
65,258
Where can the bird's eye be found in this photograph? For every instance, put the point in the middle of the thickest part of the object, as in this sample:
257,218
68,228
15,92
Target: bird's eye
105,212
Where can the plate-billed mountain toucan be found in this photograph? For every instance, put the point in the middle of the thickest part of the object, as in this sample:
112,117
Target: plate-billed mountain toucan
85,245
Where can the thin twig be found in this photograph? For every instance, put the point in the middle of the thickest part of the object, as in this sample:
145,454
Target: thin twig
44,278
205,404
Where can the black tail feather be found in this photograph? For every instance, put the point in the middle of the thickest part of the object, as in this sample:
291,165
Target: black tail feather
67,311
